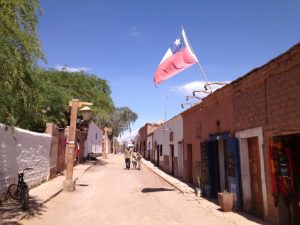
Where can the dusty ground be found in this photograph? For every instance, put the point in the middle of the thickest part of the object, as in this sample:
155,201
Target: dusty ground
109,194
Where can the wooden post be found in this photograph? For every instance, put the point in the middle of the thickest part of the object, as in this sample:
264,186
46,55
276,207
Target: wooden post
69,184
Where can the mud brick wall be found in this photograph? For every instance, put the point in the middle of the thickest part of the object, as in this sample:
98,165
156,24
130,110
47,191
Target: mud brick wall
268,97
185,178
196,171
213,115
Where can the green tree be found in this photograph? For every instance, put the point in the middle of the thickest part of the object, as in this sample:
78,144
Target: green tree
57,88
19,51
121,120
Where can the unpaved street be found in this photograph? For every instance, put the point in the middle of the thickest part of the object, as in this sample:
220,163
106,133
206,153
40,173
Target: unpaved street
109,194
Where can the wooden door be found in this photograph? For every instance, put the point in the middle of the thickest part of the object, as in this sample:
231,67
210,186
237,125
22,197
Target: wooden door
255,176
157,154
172,158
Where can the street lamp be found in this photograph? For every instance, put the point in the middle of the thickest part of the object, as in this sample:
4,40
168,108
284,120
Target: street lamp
187,103
212,83
205,92
188,97
86,113
69,183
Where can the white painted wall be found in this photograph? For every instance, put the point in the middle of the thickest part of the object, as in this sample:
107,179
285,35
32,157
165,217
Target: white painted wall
174,125
149,142
161,135
158,137
93,142
245,171
22,149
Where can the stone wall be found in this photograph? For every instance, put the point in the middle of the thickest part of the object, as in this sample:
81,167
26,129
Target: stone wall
20,149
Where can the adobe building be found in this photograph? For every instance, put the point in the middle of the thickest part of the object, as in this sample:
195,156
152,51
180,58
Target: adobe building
267,125
210,147
245,138
169,137
142,138
158,142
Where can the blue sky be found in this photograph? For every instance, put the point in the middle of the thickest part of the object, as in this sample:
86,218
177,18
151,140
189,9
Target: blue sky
124,41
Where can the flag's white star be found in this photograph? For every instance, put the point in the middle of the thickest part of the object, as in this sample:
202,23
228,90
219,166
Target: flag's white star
177,42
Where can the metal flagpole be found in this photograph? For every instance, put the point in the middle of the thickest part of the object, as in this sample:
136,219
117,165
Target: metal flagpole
166,98
201,68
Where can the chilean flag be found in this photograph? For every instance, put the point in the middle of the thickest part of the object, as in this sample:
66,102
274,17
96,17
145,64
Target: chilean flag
178,58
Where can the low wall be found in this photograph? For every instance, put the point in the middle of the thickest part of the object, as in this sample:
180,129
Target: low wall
20,149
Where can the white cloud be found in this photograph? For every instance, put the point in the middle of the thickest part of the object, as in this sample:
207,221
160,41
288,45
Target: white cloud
188,88
128,136
134,32
71,69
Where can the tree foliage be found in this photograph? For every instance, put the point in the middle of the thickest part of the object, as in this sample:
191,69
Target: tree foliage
19,50
57,88
120,120
29,96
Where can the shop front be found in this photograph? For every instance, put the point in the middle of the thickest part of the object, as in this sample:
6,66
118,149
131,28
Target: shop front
220,167
284,152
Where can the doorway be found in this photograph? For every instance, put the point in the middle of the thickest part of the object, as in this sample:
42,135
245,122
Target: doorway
223,167
285,177
255,178
256,140
157,155
172,159
180,160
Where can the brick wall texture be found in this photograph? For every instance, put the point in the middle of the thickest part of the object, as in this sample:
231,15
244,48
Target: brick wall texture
20,149
270,97
267,97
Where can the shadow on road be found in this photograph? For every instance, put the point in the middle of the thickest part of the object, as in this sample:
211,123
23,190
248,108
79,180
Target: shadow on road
11,211
98,162
147,190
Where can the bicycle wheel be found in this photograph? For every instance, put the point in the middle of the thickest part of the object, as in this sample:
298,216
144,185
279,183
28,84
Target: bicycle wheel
24,199
14,191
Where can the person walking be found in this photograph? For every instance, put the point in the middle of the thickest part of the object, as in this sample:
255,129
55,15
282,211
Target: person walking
127,155
134,159
138,160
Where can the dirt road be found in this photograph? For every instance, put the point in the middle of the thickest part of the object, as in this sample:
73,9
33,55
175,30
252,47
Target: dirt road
109,194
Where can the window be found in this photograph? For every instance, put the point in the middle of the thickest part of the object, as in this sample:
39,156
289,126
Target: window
171,137
160,150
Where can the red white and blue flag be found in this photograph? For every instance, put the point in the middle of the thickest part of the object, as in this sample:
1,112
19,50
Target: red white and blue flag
178,58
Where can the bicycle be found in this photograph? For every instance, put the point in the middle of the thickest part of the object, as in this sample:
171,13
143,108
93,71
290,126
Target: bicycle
20,191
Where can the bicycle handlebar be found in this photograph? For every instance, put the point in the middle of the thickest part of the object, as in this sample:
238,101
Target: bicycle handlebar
28,168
